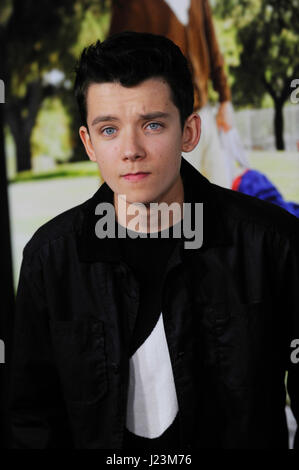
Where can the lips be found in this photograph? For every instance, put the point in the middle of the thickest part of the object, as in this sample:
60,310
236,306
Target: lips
135,176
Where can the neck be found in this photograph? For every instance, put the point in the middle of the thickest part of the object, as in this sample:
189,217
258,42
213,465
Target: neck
150,217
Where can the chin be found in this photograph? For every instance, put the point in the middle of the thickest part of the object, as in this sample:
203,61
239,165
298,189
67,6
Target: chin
141,198
144,201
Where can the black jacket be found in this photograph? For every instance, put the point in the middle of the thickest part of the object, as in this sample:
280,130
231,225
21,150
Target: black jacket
230,308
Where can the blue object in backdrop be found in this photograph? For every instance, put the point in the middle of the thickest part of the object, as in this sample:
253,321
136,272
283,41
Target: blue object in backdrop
255,183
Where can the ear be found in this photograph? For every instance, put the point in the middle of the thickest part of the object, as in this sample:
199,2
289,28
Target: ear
191,132
85,137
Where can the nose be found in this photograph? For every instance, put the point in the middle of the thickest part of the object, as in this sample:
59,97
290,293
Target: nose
132,148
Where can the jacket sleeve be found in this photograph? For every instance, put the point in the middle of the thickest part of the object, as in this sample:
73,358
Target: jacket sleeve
218,75
291,301
37,415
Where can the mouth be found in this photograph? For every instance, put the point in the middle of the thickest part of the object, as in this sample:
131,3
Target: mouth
140,175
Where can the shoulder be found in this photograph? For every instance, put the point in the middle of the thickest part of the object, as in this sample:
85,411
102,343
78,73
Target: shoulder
63,226
239,207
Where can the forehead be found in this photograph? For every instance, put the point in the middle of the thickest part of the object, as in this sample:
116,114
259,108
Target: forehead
152,94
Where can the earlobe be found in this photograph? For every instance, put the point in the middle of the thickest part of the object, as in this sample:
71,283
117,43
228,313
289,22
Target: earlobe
85,137
191,134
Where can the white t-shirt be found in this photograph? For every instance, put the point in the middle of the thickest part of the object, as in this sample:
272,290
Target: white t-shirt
152,401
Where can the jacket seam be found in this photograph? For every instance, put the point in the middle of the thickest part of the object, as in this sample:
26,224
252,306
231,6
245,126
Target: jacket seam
33,252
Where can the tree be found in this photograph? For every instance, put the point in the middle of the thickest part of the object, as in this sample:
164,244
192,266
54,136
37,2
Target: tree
31,48
268,32
40,36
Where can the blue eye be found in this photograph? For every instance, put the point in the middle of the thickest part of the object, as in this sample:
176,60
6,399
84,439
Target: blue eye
108,131
154,126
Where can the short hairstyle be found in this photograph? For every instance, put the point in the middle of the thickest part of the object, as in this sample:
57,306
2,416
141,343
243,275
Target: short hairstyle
129,58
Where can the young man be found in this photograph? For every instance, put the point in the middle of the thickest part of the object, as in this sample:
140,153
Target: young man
145,341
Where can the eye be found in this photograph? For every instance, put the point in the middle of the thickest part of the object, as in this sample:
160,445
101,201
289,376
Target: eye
153,126
108,131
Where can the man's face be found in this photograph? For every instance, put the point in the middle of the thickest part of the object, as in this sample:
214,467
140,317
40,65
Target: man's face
135,136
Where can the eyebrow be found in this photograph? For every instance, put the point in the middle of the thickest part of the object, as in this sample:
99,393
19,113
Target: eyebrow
154,115
103,118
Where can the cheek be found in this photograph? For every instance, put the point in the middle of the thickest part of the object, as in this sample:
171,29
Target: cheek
106,155
170,144
167,152
162,151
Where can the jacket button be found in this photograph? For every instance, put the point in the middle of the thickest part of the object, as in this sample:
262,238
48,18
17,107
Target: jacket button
181,354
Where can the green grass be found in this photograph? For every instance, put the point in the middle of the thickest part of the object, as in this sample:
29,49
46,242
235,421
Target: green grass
282,168
65,170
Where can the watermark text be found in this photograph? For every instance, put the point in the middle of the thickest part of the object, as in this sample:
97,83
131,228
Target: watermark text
151,220
295,353
2,352
2,92
295,93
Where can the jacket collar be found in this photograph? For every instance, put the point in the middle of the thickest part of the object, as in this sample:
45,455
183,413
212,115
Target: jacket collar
196,189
